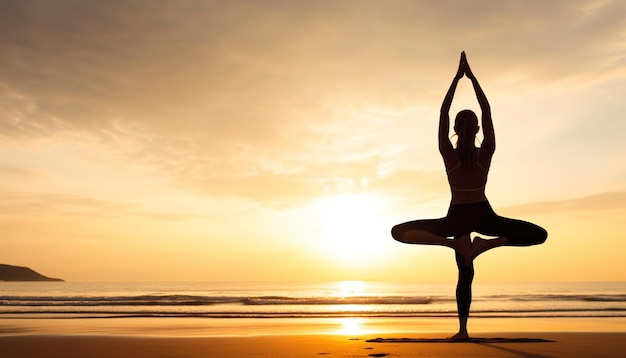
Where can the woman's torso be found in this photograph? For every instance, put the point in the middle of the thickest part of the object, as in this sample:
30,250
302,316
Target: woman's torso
467,185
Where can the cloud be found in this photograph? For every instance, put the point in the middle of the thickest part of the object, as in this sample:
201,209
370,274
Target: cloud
46,205
589,205
273,100
43,204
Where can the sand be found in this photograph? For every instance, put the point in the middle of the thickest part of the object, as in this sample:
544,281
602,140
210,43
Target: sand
563,344
351,337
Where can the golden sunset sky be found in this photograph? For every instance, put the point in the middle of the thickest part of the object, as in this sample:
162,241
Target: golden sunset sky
281,140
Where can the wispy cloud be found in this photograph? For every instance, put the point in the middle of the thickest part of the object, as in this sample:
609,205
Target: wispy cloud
224,96
608,203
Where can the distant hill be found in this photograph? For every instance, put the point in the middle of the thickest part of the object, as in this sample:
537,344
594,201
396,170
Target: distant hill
17,273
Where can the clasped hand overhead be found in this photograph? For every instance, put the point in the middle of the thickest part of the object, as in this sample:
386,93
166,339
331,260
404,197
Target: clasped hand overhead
464,68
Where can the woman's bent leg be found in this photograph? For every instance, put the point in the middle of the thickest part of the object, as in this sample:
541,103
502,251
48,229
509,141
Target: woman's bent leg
510,232
430,232
523,233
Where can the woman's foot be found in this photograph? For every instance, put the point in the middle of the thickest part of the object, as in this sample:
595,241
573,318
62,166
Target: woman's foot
461,336
463,247
480,245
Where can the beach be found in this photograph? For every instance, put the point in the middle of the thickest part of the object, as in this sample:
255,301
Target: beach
352,337
335,319
564,344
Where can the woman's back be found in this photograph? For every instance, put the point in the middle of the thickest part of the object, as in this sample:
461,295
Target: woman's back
467,183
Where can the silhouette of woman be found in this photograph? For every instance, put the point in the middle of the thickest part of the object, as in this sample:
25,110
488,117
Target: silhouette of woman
467,167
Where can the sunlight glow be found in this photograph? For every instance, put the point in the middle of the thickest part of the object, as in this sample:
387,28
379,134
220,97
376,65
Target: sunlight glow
351,326
351,288
352,228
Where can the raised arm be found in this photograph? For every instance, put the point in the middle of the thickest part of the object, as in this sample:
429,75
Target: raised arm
444,116
489,140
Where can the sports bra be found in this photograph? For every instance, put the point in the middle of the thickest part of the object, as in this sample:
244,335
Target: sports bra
482,178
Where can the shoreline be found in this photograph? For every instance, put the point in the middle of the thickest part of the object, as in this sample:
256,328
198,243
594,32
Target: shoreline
238,327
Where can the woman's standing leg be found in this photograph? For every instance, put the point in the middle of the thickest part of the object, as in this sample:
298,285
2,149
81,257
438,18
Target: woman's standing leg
463,295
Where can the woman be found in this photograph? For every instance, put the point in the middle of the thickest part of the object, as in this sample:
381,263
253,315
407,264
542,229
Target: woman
467,167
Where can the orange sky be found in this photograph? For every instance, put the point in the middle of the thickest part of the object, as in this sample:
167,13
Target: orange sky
273,140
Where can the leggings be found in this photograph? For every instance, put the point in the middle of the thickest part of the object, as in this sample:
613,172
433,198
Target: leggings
463,219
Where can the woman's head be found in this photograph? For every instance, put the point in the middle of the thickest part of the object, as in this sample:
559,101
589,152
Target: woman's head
466,128
466,123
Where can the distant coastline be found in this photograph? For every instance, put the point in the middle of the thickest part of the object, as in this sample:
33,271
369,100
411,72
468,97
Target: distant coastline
22,274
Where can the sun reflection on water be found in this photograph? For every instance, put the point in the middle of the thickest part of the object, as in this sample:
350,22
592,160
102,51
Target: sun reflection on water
351,288
351,326
348,290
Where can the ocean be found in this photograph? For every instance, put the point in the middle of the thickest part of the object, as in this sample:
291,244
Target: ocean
230,304
302,300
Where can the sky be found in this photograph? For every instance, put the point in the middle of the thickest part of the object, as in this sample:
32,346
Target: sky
202,140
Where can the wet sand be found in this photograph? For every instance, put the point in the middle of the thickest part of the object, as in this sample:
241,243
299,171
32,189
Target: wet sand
346,337
560,344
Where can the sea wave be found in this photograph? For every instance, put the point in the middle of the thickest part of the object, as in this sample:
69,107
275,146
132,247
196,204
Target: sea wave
192,300
280,306
71,314
201,300
304,300
563,297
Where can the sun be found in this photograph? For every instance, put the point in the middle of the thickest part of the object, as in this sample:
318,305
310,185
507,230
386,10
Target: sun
353,228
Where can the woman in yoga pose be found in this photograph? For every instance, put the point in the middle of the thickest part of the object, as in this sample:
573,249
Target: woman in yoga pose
467,167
